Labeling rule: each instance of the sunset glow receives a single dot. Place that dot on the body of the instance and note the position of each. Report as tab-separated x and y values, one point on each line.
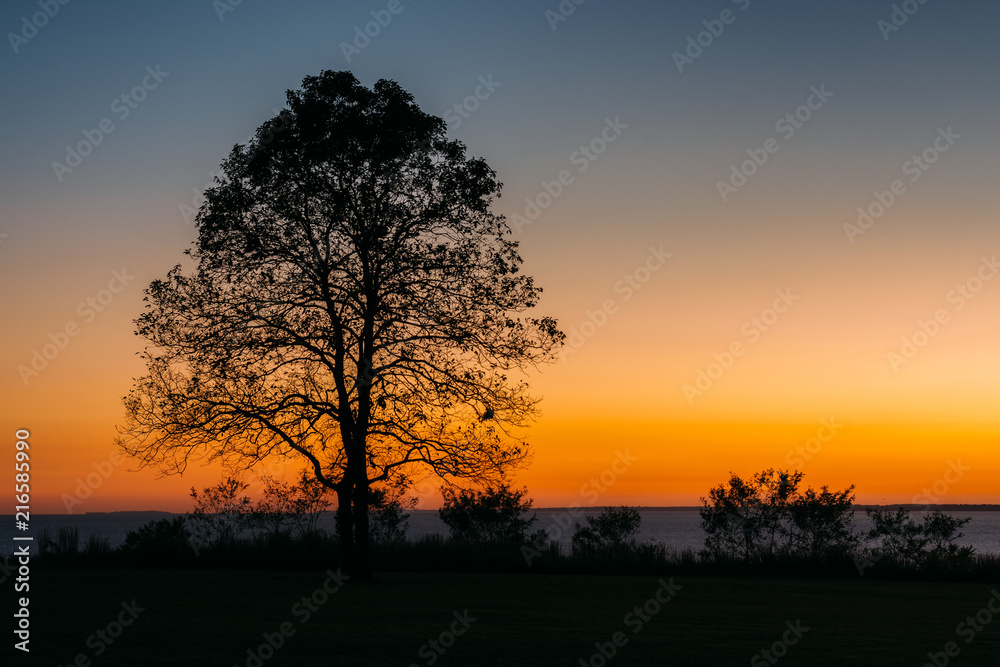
710	328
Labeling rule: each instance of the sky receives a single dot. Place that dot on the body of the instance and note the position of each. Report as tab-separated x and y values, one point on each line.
768	228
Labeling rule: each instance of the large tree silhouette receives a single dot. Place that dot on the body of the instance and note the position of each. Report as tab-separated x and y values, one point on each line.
354	304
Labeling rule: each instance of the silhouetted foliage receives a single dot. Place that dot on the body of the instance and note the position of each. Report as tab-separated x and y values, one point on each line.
225	514
355	304
388	517
222	513
491	516
64	546
289	509
491	538
941	531
901	541
613	530
65	543
165	540
822	524
766	516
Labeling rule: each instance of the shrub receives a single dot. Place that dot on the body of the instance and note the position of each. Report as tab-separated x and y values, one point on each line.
297	506
65	545
492	516
388	519
941	532
901	541
222	513
612	530
822	524
163	541
766	516
97	546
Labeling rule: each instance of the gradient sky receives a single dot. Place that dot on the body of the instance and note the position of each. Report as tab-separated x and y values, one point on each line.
898	428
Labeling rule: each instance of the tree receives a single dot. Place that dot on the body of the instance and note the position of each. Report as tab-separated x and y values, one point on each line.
941	531
612	530
225	515
901	541
823	523
767	516
355	304
222	513
745	520
297	505
387	514
491	516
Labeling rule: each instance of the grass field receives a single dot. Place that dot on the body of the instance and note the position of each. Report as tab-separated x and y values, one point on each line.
213	618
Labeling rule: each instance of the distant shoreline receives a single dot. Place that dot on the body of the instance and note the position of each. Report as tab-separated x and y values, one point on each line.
674	508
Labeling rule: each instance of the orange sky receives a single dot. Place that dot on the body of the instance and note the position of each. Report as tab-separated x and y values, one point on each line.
621	387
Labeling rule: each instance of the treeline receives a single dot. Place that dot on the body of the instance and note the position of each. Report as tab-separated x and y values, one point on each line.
766	523
770	518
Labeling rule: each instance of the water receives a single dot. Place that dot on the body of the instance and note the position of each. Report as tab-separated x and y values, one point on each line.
675	527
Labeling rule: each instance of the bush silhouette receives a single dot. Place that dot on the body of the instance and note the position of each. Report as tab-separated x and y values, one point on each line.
492	516
766	517
611	531
388	519
901	541
165	540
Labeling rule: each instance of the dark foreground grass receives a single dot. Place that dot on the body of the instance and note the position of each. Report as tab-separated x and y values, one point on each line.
194	618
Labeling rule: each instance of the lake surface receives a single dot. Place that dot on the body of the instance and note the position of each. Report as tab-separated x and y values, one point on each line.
675	527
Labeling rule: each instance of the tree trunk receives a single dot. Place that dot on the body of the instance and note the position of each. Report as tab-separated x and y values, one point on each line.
361	530
345	525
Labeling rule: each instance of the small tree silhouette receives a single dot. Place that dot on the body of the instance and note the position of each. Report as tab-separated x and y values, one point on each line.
767	516
491	516
613	530
901	541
